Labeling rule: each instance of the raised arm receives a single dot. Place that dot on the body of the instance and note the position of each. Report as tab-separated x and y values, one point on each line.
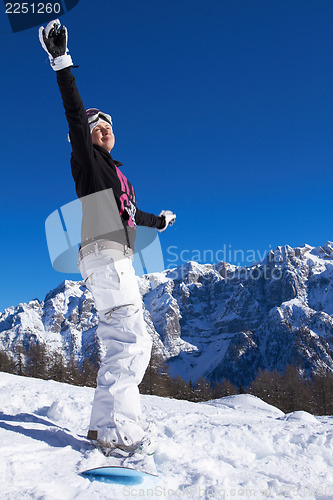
54	41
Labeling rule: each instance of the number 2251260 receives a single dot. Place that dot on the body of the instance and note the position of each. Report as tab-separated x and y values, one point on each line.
33	8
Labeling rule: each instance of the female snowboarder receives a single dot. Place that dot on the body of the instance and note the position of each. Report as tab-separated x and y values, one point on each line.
105	262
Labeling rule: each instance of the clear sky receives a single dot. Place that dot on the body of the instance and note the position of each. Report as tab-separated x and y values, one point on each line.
222	110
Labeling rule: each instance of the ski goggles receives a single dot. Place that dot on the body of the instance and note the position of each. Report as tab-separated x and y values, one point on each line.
94	115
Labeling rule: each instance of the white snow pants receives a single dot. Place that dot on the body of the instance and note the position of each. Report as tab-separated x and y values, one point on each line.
116	411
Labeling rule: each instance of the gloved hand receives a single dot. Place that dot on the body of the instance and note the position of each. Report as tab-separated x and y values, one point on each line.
169	217
54	42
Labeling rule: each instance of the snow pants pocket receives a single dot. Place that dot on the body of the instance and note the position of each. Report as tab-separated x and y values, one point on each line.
111	279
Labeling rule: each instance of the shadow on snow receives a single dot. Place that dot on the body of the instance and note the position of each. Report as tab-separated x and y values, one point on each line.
52	435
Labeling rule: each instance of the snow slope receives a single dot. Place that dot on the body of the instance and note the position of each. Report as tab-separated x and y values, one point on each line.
237	447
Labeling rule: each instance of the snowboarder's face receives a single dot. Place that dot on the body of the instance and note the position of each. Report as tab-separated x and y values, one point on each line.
102	135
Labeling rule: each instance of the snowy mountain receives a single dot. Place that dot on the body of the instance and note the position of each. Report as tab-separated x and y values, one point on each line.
235	447
207	320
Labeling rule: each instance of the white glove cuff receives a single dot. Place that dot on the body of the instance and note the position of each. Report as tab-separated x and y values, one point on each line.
61	62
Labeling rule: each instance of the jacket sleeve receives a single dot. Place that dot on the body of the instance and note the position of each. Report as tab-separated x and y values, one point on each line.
149	220
79	132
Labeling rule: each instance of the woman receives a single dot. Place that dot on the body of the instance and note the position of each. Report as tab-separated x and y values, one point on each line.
105	261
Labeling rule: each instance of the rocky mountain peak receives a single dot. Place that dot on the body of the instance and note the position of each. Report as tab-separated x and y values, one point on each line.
206	320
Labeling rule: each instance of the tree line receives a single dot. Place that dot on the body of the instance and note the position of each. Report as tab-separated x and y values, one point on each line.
39	362
289	391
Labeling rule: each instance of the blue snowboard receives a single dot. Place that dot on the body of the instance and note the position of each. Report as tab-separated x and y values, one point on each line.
117	475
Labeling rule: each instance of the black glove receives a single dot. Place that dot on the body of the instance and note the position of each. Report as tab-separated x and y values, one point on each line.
54	42
169	219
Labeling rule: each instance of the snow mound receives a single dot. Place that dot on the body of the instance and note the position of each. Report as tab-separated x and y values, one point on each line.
60	411
302	416
247	403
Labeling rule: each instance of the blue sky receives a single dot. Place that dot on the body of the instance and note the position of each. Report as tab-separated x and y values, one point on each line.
222	110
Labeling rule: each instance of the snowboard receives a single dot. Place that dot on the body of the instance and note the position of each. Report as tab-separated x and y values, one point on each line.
126	471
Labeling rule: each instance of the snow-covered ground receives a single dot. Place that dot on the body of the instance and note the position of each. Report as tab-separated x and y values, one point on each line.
237	447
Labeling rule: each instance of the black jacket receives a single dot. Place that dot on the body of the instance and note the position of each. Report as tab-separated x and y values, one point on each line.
94	169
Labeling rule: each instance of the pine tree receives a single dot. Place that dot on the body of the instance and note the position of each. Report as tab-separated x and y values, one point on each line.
226	388
19	353
322	390
88	374
56	367
203	390
7	363
268	387
156	380
296	393
73	373
179	389
37	360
